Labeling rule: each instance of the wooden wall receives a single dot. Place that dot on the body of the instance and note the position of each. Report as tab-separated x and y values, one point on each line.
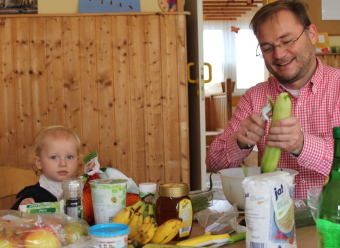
331	59
119	80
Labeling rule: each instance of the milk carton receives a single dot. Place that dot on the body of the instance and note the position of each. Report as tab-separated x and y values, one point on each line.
269	210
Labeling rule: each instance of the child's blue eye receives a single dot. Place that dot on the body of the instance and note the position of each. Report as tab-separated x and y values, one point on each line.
69	157
54	157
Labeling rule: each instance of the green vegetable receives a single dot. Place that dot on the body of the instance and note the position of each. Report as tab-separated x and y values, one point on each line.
245	169
282	109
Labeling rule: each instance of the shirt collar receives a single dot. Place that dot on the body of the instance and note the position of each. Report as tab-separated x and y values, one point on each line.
315	81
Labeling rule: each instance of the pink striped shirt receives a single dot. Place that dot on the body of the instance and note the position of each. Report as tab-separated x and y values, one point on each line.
318	109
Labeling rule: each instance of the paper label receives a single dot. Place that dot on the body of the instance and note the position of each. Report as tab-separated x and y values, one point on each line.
185	212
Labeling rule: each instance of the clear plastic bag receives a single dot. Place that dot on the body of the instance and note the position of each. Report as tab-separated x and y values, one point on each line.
214	221
42	230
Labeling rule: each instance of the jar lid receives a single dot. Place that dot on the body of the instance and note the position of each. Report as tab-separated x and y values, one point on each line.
72	187
173	189
147	187
109	229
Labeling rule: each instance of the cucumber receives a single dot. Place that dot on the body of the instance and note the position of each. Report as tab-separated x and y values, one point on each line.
282	109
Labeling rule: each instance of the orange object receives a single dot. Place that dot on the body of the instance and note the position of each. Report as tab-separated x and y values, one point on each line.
131	199
88	212
88	206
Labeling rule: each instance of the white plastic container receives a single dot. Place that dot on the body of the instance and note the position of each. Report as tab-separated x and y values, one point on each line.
108	197
109	235
147	192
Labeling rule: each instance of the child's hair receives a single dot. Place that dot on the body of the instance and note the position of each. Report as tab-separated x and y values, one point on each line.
56	132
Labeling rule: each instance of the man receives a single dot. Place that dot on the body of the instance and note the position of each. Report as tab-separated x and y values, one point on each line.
286	40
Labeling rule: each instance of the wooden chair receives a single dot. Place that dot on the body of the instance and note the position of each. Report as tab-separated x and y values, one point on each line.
6	202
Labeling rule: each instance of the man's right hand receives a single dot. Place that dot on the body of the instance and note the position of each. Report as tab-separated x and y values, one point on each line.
250	131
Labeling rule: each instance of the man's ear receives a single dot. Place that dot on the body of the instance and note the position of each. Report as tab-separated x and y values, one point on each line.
37	162
313	33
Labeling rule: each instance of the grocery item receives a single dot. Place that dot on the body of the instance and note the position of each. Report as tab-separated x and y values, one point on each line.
167	231
147	192
72	192
125	215
173	202
109	197
269	210
41	230
109	235
281	109
328	210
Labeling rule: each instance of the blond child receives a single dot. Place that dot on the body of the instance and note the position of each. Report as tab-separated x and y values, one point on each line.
56	157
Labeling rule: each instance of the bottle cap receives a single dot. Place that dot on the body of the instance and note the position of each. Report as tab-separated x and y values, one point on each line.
173	189
336	132
72	187
147	187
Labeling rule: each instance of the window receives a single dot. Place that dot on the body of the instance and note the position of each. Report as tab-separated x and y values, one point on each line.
250	69
233	55
213	52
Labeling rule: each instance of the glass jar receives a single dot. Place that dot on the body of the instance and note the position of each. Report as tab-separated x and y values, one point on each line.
174	202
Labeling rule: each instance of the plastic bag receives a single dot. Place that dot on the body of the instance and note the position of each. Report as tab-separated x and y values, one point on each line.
40	230
214	221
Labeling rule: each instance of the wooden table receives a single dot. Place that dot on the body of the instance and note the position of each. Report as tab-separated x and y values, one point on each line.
306	237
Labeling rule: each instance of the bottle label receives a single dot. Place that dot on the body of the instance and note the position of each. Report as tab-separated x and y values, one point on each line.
330	233
185	213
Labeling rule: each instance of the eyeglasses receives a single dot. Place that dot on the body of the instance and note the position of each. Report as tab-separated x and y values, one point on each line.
267	48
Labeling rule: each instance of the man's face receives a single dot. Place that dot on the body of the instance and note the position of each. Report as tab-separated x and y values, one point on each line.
293	65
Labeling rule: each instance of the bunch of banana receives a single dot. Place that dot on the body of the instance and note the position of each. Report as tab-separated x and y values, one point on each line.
125	215
132	243
150	218
136	221
166	232
145	233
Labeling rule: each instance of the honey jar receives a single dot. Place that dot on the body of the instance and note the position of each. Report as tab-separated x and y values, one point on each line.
174	202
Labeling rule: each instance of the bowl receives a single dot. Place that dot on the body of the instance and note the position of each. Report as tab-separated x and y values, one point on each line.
313	198
232	178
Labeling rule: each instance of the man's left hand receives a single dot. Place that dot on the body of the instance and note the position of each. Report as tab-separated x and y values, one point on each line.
286	134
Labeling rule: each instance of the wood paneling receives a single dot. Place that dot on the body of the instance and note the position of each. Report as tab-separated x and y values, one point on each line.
330	59
227	9
119	80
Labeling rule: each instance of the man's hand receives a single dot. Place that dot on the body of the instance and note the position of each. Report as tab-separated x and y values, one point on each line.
250	131
287	135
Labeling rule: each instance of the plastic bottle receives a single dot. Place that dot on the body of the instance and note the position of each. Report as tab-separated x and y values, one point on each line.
328	210
73	190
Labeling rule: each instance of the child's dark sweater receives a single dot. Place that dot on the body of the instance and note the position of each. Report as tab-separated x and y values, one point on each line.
36	192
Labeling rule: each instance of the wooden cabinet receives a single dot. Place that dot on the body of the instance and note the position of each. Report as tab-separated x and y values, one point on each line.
119	80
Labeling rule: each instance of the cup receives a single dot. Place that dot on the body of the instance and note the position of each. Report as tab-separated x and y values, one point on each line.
108	197
313	195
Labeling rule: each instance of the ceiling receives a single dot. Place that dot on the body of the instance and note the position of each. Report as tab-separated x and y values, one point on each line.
218	10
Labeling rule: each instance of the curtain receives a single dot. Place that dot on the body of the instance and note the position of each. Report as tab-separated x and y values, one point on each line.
229	37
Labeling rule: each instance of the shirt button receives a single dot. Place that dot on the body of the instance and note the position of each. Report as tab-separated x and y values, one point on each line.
303	181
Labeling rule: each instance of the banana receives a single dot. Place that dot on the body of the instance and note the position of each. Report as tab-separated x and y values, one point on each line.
132	243
125	215
136	221
166	232
150	218
145	233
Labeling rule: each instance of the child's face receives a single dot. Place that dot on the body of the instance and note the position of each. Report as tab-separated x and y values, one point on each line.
58	158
